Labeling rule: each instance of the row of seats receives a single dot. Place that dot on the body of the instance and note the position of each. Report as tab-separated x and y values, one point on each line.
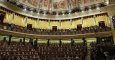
63	52
20	51
17	51
92	29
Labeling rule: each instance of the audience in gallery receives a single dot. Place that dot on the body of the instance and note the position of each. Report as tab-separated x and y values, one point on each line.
92	29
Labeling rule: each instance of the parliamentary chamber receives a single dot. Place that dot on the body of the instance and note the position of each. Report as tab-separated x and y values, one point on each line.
56	29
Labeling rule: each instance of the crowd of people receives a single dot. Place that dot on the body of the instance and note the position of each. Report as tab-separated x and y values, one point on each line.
41	51
17	51
92	29
103	51
63	52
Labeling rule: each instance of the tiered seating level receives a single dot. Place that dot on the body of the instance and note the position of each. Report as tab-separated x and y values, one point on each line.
92	29
17	51
61	52
16	24
89	23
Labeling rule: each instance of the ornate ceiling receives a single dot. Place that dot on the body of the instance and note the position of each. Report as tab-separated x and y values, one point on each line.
50	5
58	7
